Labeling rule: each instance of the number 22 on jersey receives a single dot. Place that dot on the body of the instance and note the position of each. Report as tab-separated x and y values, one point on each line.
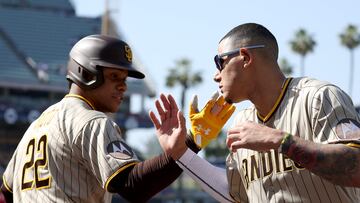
37	160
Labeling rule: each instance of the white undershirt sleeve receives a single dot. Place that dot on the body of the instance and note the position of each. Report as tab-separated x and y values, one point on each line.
211	178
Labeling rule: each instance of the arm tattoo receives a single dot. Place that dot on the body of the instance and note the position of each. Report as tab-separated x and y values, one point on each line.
335	162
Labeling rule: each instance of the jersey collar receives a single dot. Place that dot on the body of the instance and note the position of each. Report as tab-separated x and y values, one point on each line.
277	103
81	98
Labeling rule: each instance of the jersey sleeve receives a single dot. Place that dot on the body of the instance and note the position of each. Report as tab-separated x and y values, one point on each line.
211	178
334	118
8	176
103	149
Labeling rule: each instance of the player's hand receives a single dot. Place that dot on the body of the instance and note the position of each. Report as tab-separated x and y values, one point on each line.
253	136
207	124
170	129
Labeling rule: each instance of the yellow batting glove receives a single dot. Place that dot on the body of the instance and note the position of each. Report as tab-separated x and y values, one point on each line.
207	124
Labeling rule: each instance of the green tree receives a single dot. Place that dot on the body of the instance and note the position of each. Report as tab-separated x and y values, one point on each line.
217	148
302	44
181	75
350	38
285	67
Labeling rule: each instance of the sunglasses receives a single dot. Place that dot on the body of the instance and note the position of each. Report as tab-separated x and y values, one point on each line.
219	61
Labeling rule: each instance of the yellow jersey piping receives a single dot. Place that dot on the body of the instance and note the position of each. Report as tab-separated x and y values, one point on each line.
353	145
277	103
6	185
82	98
117	172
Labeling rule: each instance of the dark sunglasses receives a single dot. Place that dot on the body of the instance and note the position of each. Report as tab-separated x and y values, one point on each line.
219	61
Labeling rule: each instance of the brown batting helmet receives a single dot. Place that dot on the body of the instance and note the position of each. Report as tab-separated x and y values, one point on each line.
90	54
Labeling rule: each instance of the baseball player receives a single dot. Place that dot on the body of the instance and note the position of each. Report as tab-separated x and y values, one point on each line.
298	143
74	152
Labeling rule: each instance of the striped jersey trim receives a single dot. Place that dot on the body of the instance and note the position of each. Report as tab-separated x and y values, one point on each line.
82	98
356	145
6	185
277	103
117	172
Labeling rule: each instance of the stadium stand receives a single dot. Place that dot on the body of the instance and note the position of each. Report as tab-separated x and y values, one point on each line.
35	39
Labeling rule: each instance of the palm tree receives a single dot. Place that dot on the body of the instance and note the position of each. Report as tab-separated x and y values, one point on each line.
285	67
350	38
302	44
180	74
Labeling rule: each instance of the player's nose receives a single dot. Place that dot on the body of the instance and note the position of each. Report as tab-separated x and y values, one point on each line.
217	76
121	86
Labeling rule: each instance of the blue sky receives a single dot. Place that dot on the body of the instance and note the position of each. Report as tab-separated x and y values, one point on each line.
161	32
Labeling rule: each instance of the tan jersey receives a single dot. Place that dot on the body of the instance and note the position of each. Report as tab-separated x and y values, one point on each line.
313	110
69	154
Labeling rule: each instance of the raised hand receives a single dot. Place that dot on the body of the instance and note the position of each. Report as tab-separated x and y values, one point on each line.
171	128
207	123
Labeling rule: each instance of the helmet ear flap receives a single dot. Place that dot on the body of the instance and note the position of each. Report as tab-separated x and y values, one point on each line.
84	77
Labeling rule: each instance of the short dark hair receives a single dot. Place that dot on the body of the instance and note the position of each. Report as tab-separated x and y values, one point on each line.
253	34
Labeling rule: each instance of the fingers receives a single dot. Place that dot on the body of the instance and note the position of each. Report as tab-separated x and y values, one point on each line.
160	110
227	111
168	108
154	120
194	105
173	106
218	105
210	105
220	101
215	95
216	109
233	135
172	102
234	130
236	145
230	141
166	104
222	109
181	119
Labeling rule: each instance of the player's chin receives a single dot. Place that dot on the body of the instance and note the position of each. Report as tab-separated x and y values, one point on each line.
114	106
233	98
116	101
113	110
228	98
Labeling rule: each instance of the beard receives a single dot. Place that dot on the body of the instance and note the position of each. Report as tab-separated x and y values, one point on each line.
228	100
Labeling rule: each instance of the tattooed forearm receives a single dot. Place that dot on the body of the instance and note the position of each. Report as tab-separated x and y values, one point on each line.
337	163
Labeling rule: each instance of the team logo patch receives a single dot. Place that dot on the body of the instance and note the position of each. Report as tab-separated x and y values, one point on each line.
120	150
346	129
128	53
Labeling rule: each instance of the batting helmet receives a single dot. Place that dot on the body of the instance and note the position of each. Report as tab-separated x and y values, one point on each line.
91	53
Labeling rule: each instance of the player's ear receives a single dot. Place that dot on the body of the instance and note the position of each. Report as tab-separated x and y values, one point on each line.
246	56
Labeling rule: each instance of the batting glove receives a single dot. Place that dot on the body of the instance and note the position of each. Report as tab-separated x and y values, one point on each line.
207	124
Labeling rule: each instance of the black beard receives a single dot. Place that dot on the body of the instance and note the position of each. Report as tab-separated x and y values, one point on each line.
228	100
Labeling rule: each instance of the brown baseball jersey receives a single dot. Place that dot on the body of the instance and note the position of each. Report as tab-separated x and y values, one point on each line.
69	154
314	110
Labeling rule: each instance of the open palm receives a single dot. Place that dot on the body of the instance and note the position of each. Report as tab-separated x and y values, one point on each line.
170	129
